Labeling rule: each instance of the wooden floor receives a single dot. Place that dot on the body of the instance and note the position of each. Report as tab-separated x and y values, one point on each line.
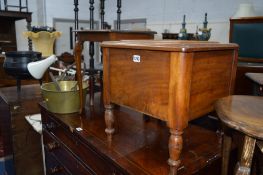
141	146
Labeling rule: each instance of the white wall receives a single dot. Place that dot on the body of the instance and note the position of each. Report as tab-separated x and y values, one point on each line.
34	7
160	14
168	14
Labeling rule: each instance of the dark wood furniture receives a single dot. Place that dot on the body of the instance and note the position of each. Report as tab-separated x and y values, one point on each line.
20	141
99	36
8	41
7	30
247	33
191	36
77	144
173	81
257	79
244	114
21	5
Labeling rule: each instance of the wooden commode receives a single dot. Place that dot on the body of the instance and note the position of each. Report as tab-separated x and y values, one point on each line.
174	81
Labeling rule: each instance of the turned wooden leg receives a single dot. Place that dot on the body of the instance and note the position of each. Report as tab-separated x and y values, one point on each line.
243	167
109	120
91	90
91	79
175	149
227	142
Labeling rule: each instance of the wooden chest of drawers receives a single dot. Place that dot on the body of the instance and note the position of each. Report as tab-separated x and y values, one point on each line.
21	141
67	153
77	144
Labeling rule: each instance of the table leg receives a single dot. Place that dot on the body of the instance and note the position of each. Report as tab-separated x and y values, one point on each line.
243	167
91	88
175	149
227	142
109	120
91	76
77	57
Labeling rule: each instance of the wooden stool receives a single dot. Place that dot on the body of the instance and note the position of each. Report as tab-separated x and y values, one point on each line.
244	114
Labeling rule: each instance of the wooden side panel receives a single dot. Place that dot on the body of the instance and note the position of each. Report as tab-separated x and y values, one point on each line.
128	36
211	79
143	85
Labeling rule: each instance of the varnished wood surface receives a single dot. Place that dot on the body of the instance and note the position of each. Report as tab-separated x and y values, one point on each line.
104	35
20	138
140	147
243	113
173	81
171	45
14	15
243	167
113	35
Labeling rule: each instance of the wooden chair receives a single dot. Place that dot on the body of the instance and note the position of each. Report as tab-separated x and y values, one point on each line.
244	114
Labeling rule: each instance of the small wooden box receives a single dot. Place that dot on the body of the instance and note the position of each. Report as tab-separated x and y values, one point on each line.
174	81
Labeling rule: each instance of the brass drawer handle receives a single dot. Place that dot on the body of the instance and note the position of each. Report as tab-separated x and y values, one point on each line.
55	169
16	107
53	145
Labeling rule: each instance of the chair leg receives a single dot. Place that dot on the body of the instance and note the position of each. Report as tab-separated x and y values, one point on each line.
243	167
227	142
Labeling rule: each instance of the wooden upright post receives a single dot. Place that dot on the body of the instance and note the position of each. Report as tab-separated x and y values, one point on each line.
118	14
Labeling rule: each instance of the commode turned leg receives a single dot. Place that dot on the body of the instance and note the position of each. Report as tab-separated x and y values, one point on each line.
175	149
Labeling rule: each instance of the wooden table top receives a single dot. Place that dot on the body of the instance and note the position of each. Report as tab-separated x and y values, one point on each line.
115	31
113	35
28	92
140	147
169	45
243	113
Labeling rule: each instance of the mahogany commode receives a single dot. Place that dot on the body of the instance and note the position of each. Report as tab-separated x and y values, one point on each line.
174	81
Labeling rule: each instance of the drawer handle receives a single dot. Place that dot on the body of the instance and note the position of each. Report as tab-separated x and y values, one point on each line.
53	145
50	126
55	169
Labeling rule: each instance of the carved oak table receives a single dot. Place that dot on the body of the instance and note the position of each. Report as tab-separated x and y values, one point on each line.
174	81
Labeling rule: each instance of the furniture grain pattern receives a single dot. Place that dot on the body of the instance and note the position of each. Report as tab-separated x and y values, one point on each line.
174	81
138	146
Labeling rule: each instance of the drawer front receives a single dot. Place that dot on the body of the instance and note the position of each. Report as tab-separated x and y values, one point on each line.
53	167
99	164
68	142
64	156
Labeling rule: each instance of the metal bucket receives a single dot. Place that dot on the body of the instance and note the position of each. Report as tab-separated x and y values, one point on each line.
64	101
